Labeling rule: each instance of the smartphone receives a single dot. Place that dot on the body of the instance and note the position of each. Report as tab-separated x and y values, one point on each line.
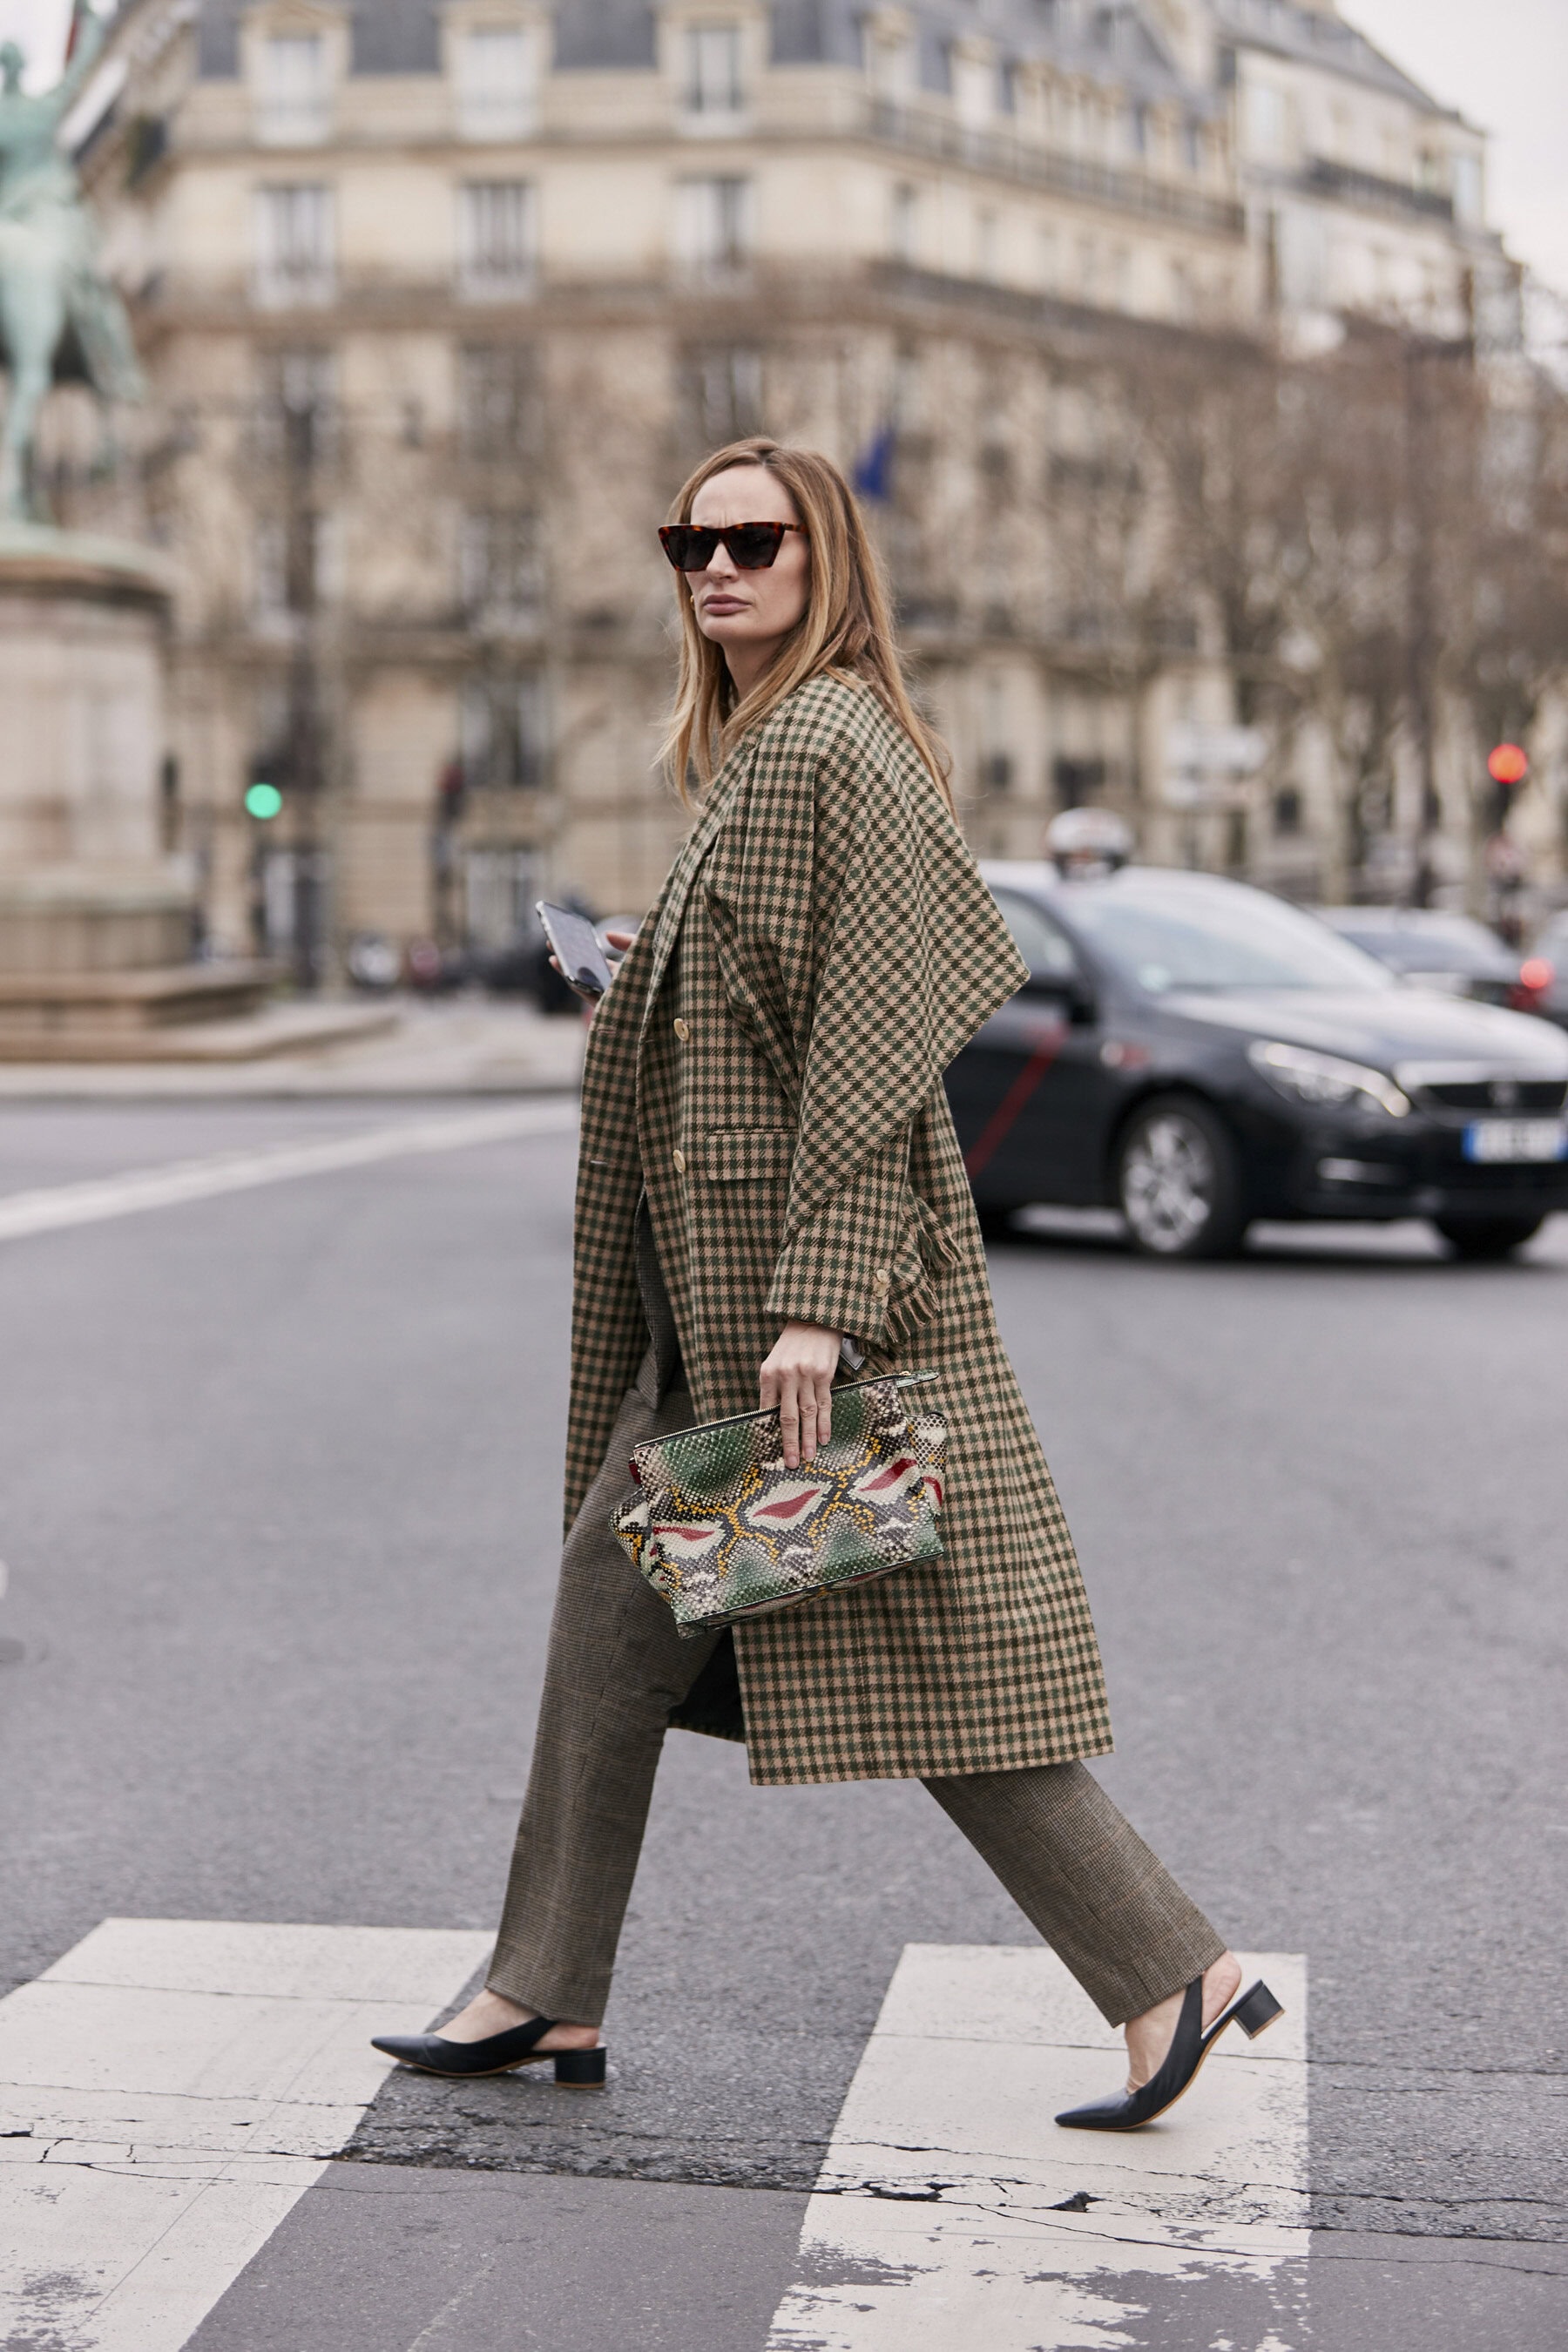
574	944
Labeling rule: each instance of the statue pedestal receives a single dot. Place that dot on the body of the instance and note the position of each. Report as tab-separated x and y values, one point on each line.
96	920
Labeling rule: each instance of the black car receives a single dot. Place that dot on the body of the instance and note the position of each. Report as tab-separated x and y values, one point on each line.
1546	970
1198	1053
1453	954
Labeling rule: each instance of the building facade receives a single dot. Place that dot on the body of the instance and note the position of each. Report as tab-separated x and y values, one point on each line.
440	303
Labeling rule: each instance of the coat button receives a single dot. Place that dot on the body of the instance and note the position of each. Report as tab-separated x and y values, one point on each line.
881	1282
682	1030
680	1159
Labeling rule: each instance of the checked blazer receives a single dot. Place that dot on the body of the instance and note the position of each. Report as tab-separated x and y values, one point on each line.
767	1066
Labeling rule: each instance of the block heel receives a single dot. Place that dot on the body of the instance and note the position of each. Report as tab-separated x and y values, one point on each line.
580	2070
1257	2011
1190	2045
498	2054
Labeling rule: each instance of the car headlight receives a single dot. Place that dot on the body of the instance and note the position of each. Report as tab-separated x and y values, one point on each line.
1323	1078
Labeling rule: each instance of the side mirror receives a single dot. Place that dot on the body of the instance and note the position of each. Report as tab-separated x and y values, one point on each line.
1069	989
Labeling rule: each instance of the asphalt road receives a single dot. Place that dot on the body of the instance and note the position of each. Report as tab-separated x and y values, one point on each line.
280	1474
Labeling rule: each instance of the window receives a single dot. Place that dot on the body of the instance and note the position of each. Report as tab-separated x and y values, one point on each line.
1051	260
504	742
499	412
497	87
1042	948
987	243
891	63
291	568
714	227
722	394
295	406
973	91
1287	810
1466	183
495	239
500	886
294	95
713	69
295	246
904	224
1265	120
499	572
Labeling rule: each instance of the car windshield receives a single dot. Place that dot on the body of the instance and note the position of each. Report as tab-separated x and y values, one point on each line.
1440	943
1209	934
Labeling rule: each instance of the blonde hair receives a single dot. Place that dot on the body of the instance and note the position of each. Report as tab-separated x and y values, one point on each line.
847	628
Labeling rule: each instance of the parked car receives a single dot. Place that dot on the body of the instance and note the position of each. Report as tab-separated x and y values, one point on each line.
1452	954
1545	970
1198	1053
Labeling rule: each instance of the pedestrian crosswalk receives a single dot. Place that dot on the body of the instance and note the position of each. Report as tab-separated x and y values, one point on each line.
951	2211
170	2089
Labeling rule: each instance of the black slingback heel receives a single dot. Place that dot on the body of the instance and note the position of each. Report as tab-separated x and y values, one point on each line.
498	2054
1190	2045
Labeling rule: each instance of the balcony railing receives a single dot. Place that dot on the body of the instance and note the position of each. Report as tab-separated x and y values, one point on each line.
923	131
1353	187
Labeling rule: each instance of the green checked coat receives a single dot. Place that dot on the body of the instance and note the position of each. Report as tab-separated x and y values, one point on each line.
768	1064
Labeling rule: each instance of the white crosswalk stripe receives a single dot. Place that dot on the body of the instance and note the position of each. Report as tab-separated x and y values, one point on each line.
58	1206
168	2090
944	2216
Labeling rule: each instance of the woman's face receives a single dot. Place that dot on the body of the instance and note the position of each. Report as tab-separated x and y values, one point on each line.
749	612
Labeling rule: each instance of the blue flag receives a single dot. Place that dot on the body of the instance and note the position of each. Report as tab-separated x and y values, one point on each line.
873	475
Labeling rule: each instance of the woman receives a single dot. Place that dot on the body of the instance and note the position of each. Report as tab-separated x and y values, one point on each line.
769	1189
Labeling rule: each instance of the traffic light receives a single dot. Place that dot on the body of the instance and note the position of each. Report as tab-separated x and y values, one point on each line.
263	800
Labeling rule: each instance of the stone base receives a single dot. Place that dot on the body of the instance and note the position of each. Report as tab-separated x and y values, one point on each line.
76	921
271	1030
41	1012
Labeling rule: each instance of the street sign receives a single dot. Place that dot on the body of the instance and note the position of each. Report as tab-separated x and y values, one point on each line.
1206	767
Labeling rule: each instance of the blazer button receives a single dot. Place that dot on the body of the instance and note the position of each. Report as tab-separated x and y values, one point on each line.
881	1282
680	1159
682	1030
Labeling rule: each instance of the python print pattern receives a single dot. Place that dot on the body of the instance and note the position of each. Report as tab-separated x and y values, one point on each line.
724	1531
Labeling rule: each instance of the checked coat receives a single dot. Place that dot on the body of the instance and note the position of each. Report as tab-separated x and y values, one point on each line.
768	1066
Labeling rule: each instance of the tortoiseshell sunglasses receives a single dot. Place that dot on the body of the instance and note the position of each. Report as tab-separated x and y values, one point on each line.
751	546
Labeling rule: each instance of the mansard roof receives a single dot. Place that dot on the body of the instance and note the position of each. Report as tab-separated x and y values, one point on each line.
1320	37
1111	41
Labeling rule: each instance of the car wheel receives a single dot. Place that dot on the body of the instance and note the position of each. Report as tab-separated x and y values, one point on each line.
1477	1238
1178	1181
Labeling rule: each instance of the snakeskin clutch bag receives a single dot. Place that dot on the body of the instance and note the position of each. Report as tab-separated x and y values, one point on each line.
724	1532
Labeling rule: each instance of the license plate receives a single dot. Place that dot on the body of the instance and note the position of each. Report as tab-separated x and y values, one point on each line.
1493	1140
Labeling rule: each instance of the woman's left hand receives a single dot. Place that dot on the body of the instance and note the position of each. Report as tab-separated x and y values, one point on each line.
798	1377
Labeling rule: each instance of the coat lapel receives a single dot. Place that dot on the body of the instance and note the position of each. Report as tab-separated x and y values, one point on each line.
722	798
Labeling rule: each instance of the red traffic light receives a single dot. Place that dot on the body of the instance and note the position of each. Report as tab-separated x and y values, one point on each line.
1506	764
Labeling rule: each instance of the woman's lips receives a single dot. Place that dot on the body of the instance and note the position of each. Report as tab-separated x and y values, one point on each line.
724	604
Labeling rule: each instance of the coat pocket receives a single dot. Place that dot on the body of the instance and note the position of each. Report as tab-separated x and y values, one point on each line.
739	1155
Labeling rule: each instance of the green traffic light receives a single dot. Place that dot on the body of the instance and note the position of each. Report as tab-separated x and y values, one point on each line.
263	800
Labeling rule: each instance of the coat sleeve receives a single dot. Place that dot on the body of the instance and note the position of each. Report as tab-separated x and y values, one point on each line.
872	965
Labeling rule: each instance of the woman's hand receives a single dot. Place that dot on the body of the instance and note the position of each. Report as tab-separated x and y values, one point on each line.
798	1377
621	941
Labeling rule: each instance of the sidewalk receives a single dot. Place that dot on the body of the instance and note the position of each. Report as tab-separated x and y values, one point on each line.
458	1045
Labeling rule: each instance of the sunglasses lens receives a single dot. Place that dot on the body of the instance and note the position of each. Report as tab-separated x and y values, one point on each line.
754	545
689	550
